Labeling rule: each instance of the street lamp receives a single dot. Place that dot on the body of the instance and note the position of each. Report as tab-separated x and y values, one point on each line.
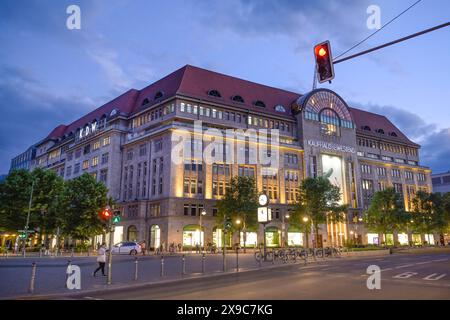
283	228
202	213
238	222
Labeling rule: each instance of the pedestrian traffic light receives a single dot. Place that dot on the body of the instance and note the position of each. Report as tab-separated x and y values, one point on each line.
324	62
22	235
106	213
117	217
228	223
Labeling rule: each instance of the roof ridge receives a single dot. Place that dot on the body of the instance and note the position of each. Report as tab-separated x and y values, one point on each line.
240	79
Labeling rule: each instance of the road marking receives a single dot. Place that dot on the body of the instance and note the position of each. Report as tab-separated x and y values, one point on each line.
387	269
405	275
439	260
423	262
92	298
430	277
404	266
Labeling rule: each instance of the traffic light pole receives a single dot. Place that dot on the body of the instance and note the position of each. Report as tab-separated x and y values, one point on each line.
392	42
111	236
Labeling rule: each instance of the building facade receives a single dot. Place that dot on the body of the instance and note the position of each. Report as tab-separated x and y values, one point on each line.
167	153
441	182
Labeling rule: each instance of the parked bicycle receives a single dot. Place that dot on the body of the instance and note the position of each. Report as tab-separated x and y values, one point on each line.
259	255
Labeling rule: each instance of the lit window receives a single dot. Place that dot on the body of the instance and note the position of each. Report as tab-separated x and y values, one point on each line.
85	164
94	161
106	141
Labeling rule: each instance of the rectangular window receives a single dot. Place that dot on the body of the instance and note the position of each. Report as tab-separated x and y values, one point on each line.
130	155
395	173
76	168
85	164
104	175
366	169
106	141
95	161
96	145
69	171
186	210
381	171
158	145
105	158
87	149
77	153
142	150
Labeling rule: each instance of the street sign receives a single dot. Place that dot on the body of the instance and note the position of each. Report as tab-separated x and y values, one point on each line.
264	214
24	231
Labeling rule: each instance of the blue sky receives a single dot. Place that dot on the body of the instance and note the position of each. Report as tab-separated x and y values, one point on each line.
51	75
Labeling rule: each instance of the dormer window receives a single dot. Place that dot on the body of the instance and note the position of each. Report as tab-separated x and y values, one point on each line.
380	131
260	104
214	93
113	113
145	102
393	134
159	95
238	99
366	128
280	108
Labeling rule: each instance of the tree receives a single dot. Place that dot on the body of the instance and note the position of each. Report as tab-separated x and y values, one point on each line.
82	201
430	213
319	201
240	202
15	193
386	213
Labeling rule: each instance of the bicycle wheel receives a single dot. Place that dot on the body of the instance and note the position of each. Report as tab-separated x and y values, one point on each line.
319	253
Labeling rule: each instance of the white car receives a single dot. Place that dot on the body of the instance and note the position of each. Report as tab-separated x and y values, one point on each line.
127	247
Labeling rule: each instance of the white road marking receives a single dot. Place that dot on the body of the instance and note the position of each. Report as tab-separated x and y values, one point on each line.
92	298
433	277
439	260
404	275
404	266
423	262
387	269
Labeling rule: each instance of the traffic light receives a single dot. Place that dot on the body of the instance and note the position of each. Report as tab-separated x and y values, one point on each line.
106	213
117	217
228	223
22	235
324	62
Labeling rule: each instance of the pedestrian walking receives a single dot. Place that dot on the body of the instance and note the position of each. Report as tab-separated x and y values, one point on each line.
101	259
143	247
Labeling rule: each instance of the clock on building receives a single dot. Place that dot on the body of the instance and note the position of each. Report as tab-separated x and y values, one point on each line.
263	200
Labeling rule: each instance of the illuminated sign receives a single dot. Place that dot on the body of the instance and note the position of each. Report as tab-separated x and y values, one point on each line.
264	214
331	146
88	130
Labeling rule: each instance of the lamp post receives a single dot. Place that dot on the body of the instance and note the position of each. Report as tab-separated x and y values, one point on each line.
28	218
203	213
283	228
238	222
305	220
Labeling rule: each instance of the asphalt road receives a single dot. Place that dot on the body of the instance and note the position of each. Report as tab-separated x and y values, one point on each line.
403	276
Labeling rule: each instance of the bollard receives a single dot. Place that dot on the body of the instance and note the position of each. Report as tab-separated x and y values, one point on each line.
183	265
237	259
203	263
162	266
40	253
71	253
135	268
33	277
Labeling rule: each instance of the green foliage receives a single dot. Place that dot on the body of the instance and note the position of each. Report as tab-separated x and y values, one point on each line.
319	202
430	213
83	199
386	213
240	202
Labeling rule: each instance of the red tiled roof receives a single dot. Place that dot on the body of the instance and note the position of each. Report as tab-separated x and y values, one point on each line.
196	82
376	121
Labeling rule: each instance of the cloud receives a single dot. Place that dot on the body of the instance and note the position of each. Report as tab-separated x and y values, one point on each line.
30	111
435	142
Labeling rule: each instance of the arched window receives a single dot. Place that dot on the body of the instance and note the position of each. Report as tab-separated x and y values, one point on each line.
260	104
132	233
393	134
380	131
159	95
330	122
145	102
238	99
366	128
214	93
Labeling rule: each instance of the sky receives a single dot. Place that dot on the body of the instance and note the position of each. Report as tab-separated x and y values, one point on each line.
51	75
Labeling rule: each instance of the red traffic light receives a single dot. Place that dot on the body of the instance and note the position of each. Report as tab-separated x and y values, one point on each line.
106	214
324	62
